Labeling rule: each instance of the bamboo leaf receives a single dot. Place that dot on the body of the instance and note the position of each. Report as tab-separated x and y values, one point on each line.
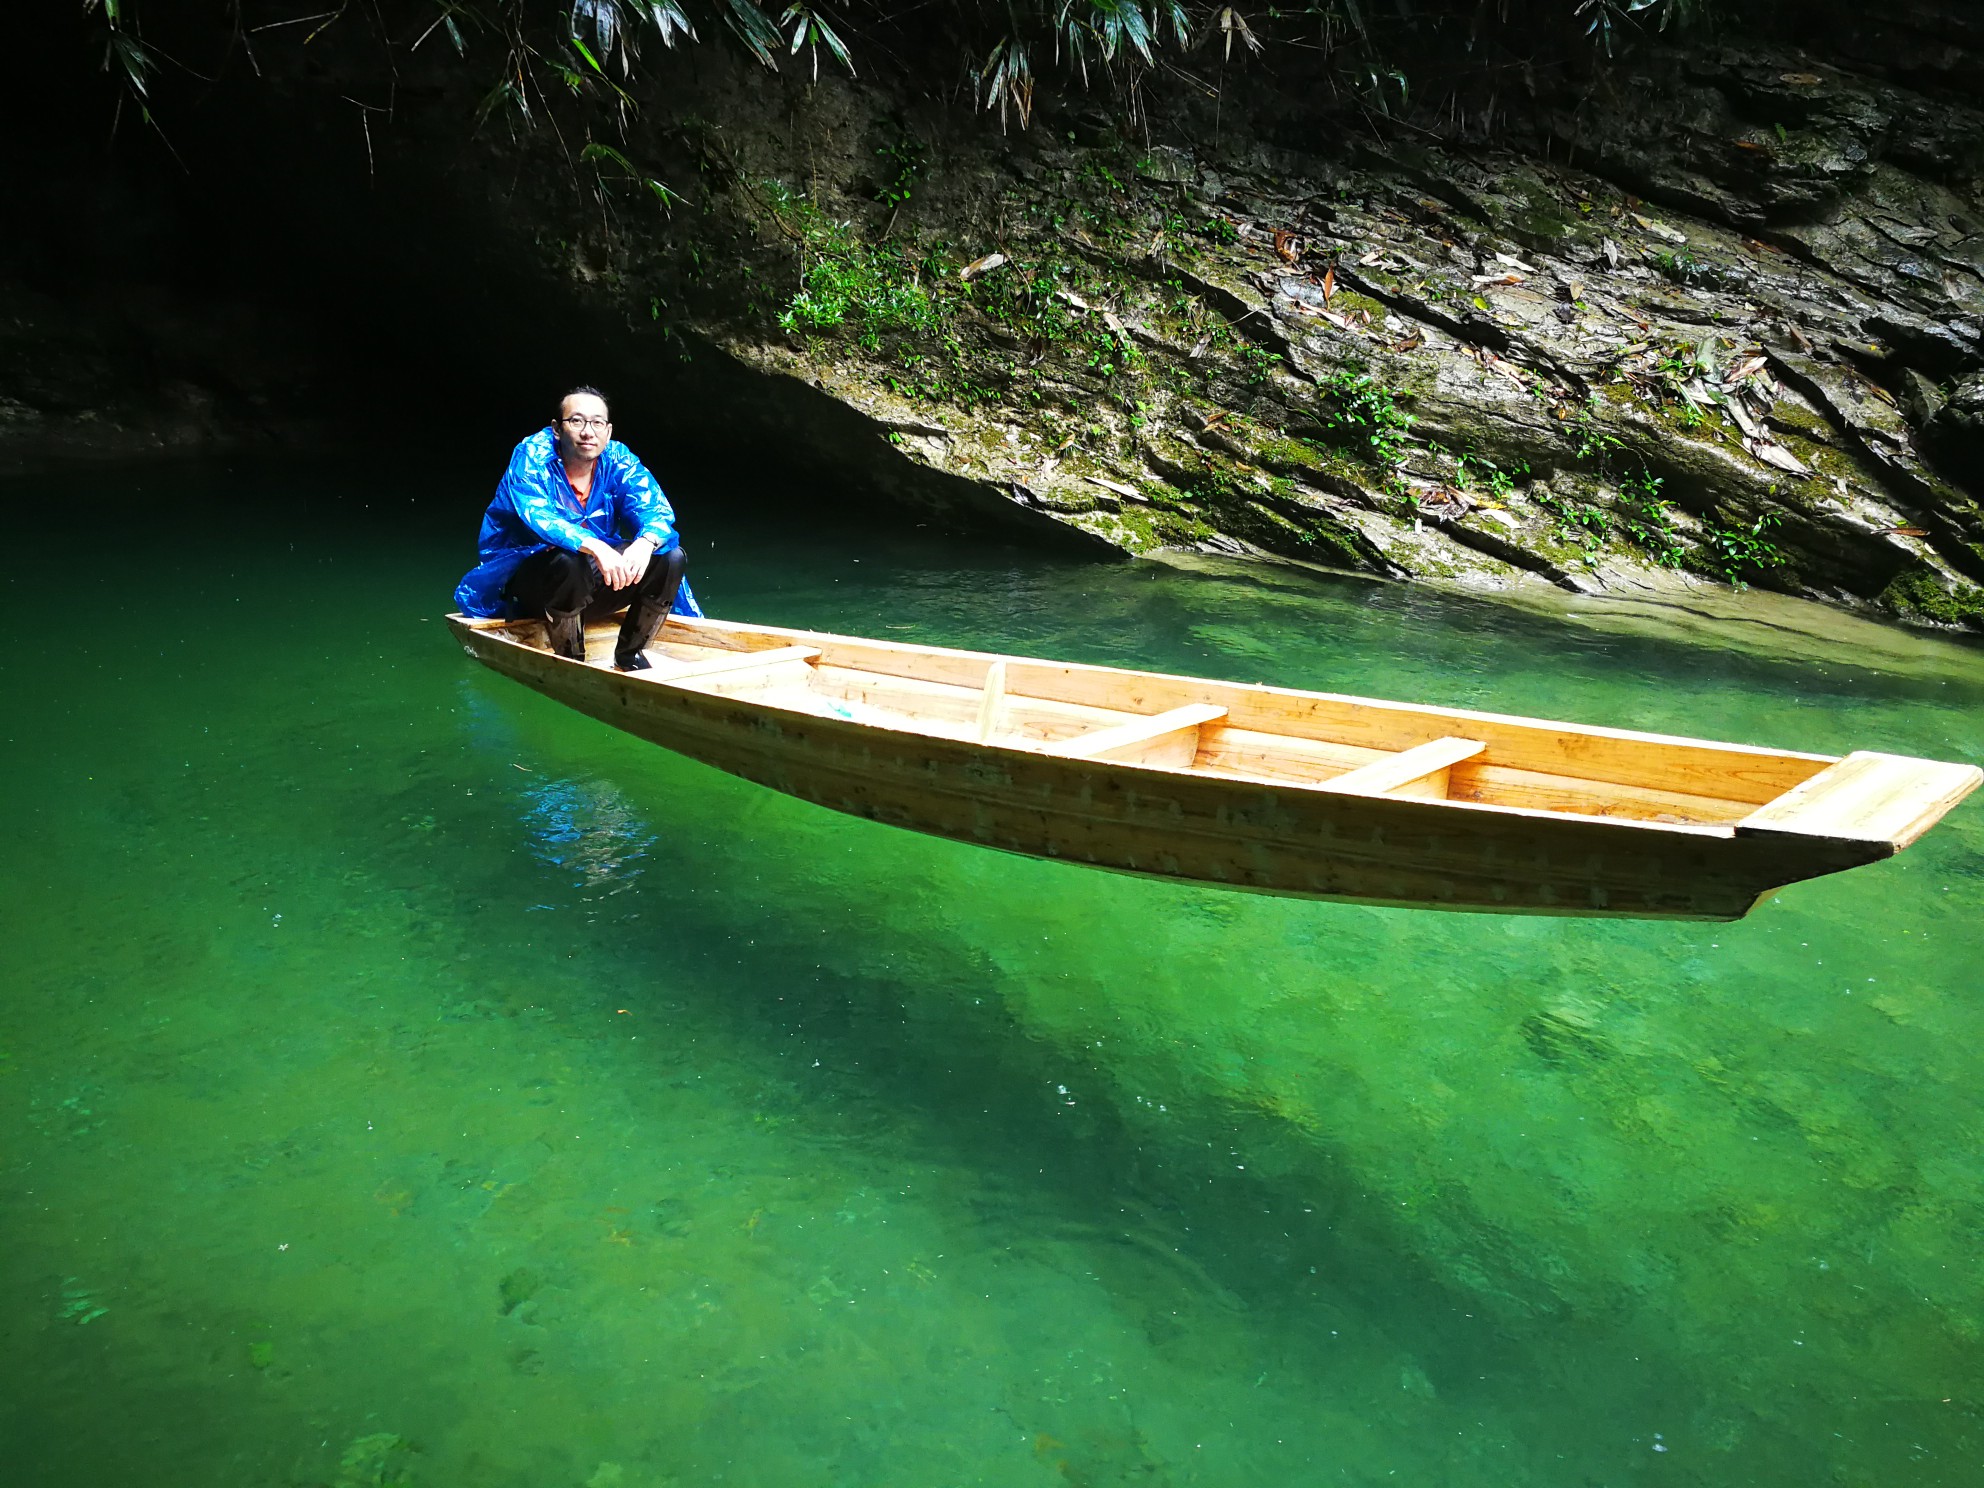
834	43
810	28
595	150
504	92
131	58
668	17
755	29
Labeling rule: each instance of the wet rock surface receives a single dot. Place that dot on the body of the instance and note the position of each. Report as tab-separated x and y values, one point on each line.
147	371
1711	316
1731	333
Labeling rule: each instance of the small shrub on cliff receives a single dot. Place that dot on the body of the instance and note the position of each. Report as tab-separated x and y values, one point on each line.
872	289
1576	522
903	160
1361	412
1732	551
1645	518
1258	364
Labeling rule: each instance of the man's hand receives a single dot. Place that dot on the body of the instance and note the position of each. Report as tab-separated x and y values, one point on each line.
636	558
620	570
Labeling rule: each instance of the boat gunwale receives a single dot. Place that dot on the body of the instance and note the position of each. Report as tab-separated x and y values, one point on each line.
1435	710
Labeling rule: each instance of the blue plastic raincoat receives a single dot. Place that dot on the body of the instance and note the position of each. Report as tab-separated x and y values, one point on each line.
535	509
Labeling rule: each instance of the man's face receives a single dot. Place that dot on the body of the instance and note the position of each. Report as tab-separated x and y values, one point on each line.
582	426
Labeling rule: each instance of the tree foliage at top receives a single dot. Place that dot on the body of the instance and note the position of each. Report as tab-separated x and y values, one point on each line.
996	53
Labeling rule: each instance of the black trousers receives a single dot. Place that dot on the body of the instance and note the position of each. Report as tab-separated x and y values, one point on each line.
559	582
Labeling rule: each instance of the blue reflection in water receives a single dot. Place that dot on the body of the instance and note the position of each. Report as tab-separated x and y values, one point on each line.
588	830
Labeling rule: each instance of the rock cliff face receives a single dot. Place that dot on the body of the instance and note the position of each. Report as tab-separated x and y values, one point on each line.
1722	317
1713	315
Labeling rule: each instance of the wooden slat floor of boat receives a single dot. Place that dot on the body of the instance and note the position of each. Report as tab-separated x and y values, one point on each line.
1613	758
877	694
730	664
1471	780
1037	719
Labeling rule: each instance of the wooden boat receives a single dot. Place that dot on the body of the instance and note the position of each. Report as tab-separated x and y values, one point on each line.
1248	787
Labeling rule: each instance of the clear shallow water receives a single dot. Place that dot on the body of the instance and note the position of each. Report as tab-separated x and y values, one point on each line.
403	1079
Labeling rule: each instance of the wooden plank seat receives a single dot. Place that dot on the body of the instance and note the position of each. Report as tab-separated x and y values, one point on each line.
738	665
1868	797
1418	771
1169	739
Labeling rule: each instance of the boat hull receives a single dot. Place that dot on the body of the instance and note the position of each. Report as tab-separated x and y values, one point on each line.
1261	837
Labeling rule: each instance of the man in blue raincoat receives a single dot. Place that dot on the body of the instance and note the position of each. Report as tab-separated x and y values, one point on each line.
578	529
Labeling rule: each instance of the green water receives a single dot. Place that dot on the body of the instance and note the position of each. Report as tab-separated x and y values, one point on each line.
405	1080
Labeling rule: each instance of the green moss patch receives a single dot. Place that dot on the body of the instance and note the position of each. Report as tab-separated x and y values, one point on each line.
1922	591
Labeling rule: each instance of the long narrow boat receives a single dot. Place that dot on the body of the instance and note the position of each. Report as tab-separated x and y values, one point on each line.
1249	787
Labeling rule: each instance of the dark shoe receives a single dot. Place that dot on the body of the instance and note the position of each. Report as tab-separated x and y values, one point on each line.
645	617
567	634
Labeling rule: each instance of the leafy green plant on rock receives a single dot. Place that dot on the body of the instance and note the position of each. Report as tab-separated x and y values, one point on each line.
902	163
1257	364
1645	517
1732	551
873	289
1594	440
1469	466
1682	267
1048	301
1363	415
1577	522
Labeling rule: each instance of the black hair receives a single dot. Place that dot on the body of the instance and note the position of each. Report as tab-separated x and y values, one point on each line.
587	391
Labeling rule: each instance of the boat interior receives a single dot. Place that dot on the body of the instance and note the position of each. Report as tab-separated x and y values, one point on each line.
1277	736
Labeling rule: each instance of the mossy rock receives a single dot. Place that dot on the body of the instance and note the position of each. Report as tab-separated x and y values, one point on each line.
1130	529
1922	592
1326	543
1296	454
1806	421
1542	230
1348	301
1067	500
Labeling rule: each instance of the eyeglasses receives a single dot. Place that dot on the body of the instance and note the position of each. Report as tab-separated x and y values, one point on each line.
578	423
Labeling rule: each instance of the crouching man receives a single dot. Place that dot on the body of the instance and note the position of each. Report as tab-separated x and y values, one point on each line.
577	530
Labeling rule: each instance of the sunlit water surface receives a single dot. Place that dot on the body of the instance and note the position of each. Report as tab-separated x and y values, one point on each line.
406	1080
